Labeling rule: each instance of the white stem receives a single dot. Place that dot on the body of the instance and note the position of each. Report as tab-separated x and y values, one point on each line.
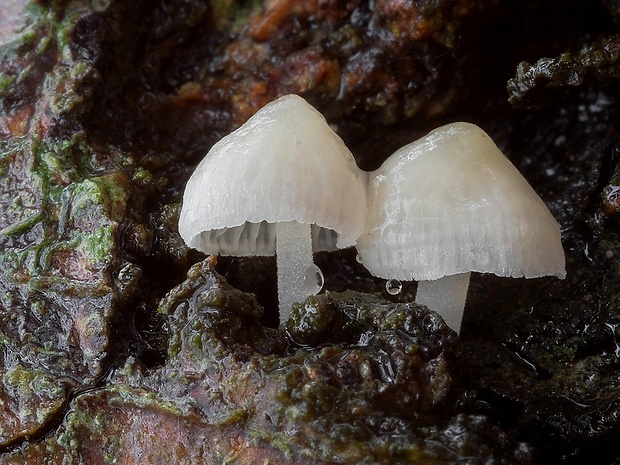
446	296
293	259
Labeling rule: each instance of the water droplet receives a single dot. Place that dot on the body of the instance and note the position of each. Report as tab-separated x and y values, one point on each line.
393	286
358	258
314	280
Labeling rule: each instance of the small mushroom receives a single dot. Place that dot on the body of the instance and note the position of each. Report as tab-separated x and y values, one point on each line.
283	183
449	204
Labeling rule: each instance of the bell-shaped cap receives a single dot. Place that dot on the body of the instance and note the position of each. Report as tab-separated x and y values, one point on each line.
452	203
284	164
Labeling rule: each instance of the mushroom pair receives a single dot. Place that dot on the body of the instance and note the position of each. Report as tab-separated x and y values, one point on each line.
283	183
449	204
439	208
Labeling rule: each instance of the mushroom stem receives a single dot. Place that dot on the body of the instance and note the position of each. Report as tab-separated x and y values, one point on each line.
446	296
294	263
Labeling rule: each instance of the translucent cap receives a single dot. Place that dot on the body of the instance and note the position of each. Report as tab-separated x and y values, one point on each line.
451	203
284	164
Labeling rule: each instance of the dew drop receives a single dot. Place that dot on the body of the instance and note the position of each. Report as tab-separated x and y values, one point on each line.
393	286
314	280
358	258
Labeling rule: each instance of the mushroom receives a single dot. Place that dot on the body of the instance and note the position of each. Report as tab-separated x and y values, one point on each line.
283	183
449	204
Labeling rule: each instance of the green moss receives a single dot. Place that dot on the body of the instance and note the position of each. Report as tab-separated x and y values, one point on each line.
233	13
36	393
356	384
5	82
142	177
542	81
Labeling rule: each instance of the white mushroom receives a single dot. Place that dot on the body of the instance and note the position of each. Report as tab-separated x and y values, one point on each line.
262	189
449	204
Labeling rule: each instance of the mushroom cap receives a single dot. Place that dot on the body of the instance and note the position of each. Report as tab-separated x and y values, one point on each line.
451	203
284	164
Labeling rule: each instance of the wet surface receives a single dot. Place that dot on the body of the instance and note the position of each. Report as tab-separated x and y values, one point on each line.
106	108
